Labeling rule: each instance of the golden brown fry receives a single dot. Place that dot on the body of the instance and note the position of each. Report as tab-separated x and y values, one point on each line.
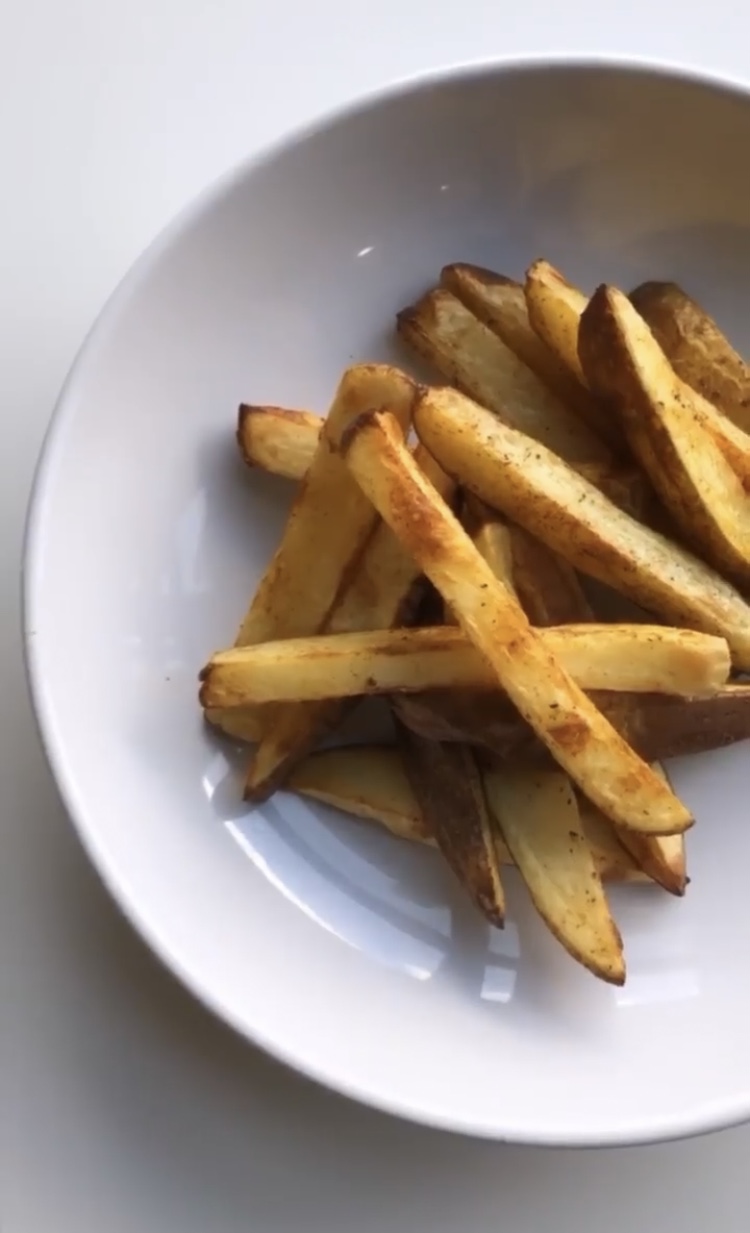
500	304
696	348
443	331
370	782
626	366
555	310
555	306
552	590
658	726
633	658
662	857
535	488
447	784
278	439
538	815
319	547
577	735
384	592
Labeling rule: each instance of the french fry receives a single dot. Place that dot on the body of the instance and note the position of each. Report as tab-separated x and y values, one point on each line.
696	348
447	784
442	331
658	726
633	658
555	311
370	781
539	818
278	439
577	735
626	366
320	546
662	857
384	592
555	306
330	521
533	487
500	304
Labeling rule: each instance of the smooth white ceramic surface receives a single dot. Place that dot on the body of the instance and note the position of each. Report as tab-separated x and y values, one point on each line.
342	951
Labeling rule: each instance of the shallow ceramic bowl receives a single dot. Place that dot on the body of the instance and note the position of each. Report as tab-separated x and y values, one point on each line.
343	951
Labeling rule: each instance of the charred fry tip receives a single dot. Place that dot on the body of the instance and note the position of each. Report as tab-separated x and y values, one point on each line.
407	318
374	415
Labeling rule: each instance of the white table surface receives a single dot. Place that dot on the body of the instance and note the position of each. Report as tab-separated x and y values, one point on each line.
125	1107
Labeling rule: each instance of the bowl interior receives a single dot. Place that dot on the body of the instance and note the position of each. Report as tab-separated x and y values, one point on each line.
346	952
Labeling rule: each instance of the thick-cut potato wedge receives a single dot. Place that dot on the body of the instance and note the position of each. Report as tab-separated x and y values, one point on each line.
696	348
633	658
555	306
535	488
555	311
278	439
662	857
539	819
330	520
577	735
370	781
443	331
385	591
628	369
447	784
500	304
658	726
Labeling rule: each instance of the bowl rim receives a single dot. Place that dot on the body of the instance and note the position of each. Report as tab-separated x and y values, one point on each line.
727	1113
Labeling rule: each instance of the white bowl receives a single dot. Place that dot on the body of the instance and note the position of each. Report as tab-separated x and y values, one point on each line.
344	952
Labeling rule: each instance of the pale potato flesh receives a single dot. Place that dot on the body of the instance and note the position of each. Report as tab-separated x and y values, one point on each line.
500	304
632	658
278	439
465	352
626	366
540	822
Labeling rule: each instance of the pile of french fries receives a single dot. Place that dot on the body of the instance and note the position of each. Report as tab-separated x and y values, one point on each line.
569	439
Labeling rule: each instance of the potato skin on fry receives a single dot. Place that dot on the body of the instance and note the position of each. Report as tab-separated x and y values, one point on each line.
696	348
500	304
370	781
441	330
447	783
577	735
535	488
627	368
